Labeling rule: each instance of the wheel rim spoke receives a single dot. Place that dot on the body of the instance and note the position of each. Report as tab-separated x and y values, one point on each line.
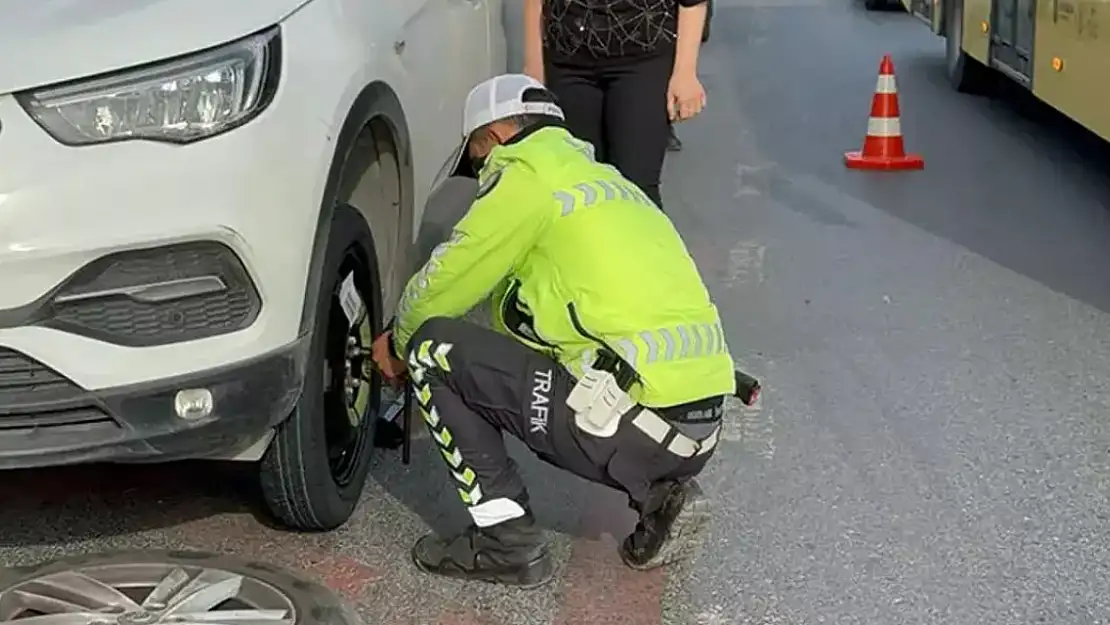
236	617
28	600
167	587
80	589
206	591
14	601
65	618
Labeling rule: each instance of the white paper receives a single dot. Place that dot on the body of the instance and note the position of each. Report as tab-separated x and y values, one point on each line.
350	300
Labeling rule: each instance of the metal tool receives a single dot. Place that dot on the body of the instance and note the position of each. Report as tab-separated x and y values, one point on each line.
401	407
406	424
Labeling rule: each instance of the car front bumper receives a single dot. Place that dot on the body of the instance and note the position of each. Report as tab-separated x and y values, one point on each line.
46	420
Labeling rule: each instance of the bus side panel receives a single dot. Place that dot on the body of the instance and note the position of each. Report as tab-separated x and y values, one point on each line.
977	43
1071	61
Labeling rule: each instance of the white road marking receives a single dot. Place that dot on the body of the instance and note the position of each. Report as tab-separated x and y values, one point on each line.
752	427
746	179
715	615
745	264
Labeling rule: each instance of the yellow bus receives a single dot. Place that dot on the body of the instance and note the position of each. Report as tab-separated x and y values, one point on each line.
1058	49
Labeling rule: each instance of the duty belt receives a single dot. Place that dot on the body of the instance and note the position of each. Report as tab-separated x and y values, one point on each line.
676	442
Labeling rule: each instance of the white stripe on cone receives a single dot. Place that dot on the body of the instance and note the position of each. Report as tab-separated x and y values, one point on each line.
886	84
884	127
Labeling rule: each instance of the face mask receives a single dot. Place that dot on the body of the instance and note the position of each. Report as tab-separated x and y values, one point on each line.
477	163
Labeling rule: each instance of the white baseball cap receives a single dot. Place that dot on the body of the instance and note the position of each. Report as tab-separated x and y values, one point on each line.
498	98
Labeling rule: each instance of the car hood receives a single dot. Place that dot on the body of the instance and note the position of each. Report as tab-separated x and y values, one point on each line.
49	41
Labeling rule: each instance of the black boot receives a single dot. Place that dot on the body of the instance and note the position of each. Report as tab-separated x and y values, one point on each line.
674	144
513	552
671	525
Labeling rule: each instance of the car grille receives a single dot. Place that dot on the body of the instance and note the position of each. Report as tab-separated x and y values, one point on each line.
33	396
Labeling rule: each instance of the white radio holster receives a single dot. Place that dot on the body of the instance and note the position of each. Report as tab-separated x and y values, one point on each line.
598	403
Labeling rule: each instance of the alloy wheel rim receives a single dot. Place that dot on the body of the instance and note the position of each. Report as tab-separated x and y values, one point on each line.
145	594
349	387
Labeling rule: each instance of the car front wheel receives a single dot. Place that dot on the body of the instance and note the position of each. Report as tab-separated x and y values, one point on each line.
314	471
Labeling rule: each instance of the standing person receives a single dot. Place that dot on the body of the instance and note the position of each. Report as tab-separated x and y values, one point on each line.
623	71
586	364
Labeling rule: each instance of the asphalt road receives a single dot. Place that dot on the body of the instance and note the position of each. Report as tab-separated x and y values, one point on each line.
931	447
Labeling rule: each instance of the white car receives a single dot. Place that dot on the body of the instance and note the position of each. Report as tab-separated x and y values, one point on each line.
207	209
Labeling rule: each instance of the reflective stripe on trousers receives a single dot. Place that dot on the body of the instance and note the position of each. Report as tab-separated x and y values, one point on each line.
658	430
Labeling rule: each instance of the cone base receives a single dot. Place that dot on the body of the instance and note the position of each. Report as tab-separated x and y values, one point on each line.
906	162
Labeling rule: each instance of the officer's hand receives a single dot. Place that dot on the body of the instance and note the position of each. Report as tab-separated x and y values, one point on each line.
391	368
685	96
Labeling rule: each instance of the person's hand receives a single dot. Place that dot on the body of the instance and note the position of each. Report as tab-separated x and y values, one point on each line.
685	96
391	368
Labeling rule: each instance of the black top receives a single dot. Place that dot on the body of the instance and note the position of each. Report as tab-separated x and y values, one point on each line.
588	30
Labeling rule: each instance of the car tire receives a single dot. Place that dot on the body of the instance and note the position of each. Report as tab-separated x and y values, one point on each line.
299	485
964	73
310	602
874	5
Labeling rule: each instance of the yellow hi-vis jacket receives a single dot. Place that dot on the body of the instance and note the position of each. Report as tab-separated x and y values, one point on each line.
580	253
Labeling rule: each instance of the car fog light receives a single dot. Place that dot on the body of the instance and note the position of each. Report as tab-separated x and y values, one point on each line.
193	403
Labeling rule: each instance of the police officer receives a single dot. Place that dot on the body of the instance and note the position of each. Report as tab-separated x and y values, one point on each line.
607	356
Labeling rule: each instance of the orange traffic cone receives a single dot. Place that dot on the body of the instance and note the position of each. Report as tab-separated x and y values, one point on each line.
883	148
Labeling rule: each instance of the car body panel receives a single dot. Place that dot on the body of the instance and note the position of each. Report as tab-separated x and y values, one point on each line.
60	40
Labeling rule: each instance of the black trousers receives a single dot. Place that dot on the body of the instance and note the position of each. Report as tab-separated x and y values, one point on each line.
620	106
473	384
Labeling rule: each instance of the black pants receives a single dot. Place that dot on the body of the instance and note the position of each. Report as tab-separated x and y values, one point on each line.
473	384
620	106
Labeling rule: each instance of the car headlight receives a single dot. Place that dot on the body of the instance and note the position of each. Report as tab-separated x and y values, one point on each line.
177	101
